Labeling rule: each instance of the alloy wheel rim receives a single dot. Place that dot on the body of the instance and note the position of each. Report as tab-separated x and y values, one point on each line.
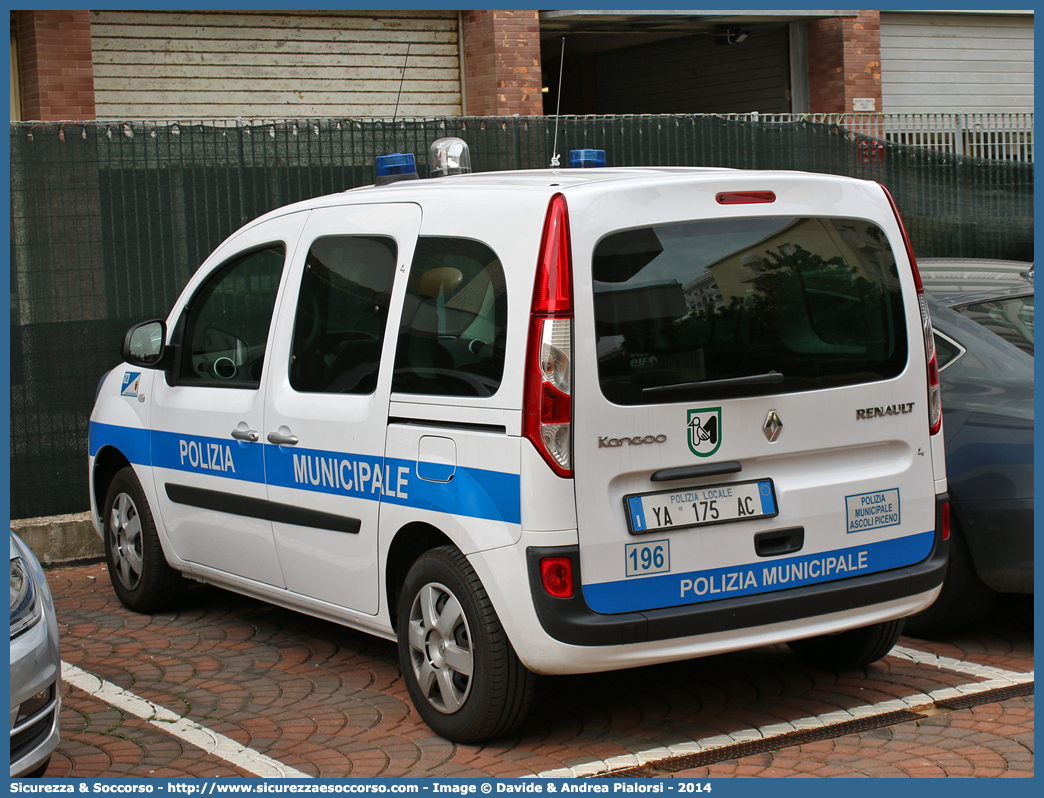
441	648
126	541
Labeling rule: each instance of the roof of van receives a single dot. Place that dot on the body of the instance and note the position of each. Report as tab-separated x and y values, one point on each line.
533	180
561	177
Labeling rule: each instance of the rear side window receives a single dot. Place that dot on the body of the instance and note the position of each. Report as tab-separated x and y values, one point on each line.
342	310
454	321
745	307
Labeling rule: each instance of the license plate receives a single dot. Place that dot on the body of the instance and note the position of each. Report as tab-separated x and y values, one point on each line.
706	505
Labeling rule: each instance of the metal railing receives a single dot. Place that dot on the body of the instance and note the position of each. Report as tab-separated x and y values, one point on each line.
996	136
109	220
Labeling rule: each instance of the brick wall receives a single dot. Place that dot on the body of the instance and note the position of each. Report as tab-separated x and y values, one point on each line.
502	63
55	65
844	62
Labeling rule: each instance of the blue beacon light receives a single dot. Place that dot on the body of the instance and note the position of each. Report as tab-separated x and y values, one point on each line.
586	159
394	167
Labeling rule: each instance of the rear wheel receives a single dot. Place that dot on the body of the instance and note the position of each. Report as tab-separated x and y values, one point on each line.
139	572
852	649
964	599
463	676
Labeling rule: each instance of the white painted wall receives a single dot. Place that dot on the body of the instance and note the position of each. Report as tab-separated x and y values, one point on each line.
274	64
953	62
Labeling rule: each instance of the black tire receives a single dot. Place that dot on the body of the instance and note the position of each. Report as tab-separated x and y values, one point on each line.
852	649
138	570
480	690
964	599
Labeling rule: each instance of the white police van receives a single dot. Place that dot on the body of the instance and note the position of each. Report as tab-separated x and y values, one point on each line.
542	422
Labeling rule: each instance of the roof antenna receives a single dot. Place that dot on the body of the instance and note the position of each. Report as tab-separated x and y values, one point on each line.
558	107
395	113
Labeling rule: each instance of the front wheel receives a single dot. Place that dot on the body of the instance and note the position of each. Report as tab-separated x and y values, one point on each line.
138	570
852	649
462	673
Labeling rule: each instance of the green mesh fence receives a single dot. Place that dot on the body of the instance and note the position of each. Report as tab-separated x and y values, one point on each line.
109	220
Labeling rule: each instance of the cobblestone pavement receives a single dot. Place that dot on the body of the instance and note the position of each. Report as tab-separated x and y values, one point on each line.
327	701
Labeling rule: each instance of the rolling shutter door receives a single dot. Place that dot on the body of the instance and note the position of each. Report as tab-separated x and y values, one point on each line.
272	64
956	63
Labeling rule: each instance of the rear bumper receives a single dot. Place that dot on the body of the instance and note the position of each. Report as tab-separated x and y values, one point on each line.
573	622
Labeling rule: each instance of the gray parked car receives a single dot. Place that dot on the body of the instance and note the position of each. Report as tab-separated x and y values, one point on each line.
982	312
36	666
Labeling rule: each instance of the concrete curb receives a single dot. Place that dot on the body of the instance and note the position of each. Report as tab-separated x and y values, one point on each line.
60	538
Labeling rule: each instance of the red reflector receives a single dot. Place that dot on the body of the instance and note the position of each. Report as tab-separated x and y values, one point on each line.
745	197
555	406
946	521
556	574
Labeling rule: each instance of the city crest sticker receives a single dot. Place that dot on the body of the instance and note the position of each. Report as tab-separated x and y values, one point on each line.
130	383
705	431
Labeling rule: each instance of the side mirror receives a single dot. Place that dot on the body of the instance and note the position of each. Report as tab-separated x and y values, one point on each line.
143	345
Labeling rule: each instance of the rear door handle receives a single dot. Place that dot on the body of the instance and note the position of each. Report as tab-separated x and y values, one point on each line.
283	438
695	471
243	434
779	541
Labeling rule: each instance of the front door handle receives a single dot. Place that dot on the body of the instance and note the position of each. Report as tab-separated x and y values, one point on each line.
241	433
283	438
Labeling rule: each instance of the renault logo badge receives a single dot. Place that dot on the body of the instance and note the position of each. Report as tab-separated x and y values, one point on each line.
773	426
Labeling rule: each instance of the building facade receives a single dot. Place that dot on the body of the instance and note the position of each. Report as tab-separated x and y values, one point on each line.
79	65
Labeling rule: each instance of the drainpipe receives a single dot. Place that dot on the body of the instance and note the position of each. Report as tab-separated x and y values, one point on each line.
460	56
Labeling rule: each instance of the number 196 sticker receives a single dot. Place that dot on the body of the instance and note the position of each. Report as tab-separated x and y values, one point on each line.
650	557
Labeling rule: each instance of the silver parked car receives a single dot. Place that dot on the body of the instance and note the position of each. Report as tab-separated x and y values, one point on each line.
36	665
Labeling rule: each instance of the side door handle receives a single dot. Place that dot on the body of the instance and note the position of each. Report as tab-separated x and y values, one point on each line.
283	437
241	433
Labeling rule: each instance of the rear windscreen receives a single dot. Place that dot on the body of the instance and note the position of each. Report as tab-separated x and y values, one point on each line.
745	307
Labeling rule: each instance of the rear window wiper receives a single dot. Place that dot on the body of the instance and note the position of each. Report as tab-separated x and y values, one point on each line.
751	379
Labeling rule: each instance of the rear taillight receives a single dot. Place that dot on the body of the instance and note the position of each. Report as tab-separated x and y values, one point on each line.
556	575
548	403
934	391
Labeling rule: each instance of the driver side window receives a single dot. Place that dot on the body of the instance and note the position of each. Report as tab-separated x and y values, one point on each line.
227	323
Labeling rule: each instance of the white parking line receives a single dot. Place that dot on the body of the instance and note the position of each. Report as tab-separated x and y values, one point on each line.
192	733
996	678
959	666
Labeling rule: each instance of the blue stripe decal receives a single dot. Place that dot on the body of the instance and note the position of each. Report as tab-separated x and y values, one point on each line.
214	457
761	577
471	492
435	472
134	443
356	475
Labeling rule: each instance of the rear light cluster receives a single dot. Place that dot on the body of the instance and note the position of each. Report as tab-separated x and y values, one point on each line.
934	390
556	575
548	404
